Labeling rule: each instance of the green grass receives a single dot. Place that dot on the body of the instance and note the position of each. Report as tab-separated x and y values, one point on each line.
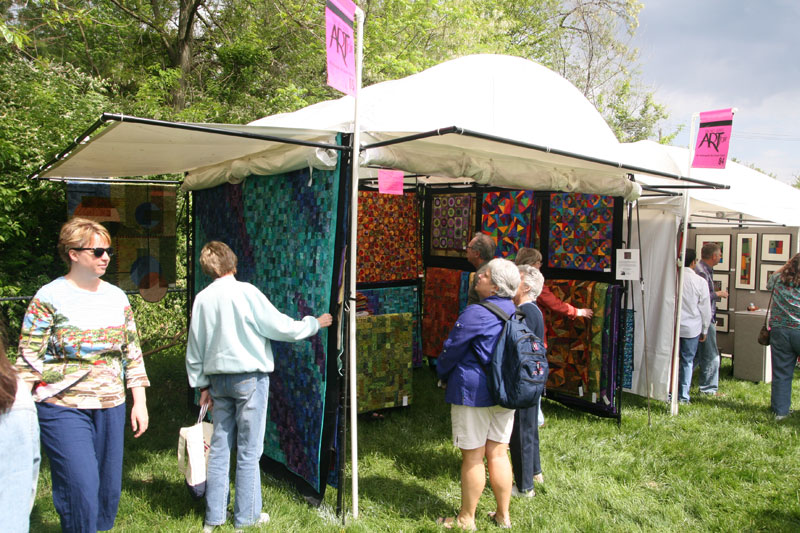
723	464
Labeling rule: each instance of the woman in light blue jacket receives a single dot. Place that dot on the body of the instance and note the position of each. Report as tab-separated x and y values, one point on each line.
229	358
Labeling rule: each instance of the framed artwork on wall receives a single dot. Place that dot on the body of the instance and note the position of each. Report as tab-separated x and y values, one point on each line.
724	242
766	271
721	282
775	247
746	261
722	322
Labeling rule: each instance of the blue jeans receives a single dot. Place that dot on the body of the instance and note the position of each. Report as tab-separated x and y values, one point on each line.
785	344
688	351
19	468
85	450
708	360
240	418
524	446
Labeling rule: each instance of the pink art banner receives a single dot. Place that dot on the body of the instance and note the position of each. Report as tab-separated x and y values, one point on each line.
339	39
390	181
713	138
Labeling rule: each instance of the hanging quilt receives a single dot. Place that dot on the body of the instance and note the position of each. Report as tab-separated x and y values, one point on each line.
389	246
391	300
452	223
141	221
569	341
581	231
384	361
441	297
507	216
287	250
627	347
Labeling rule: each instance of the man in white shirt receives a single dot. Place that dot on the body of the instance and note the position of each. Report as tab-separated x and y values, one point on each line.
695	318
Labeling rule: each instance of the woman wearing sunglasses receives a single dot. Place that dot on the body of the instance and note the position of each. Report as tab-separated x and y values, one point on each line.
78	350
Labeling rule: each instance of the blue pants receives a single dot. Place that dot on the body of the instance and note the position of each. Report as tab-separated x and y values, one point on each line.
785	344
85	451
524	446
240	418
687	353
707	359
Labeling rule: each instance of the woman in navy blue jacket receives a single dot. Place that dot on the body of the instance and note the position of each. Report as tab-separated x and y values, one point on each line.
480	428
524	443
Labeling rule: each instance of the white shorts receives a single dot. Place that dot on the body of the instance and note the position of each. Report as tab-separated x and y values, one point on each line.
473	426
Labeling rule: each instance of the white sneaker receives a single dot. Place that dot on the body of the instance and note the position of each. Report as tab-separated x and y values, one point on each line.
517	494
538	478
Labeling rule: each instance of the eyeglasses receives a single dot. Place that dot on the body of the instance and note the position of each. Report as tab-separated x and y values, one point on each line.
98	252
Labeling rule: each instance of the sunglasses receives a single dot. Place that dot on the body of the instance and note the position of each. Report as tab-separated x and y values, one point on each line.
98	252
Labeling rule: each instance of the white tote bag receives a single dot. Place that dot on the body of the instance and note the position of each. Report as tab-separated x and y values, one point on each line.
193	445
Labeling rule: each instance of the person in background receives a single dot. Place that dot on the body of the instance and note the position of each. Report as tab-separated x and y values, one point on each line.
79	349
19	440
695	318
524	444
480	251
229	358
707	352
784	323
547	300
480	428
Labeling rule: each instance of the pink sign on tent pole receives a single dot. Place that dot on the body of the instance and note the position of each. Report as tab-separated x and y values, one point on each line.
390	181
713	138
339	44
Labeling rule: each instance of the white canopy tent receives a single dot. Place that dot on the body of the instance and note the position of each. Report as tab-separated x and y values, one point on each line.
753	196
496	120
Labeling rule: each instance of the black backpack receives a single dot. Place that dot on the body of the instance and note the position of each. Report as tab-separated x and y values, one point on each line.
518	370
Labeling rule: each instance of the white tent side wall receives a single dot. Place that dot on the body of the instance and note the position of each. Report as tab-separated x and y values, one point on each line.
659	225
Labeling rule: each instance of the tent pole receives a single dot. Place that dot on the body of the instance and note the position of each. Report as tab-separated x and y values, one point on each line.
681	267
354	165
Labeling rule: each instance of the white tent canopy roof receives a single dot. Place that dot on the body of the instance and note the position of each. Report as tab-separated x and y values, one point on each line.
513	123
751	193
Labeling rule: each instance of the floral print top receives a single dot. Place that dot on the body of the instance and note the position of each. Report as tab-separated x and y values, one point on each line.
785	311
79	347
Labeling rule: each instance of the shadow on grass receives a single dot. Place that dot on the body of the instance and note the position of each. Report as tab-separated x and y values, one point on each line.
401	498
40	525
775	520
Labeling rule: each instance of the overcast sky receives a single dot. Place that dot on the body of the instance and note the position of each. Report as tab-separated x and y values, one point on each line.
700	55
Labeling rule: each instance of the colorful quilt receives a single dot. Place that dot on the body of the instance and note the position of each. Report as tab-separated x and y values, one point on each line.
463	290
141	221
440	308
569	341
283	230
507	216
585	375
581	230
389	246
391	300
627	347
596	351
384	361
452	224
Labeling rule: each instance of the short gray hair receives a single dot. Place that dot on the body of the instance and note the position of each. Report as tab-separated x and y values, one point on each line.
505	275
485	246
533	279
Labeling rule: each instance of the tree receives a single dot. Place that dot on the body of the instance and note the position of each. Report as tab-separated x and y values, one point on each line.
42	105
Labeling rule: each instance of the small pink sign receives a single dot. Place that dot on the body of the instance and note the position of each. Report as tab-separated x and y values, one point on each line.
390	181
713	138
339	44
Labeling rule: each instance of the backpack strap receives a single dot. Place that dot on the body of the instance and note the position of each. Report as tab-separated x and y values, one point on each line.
496	310
502	316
